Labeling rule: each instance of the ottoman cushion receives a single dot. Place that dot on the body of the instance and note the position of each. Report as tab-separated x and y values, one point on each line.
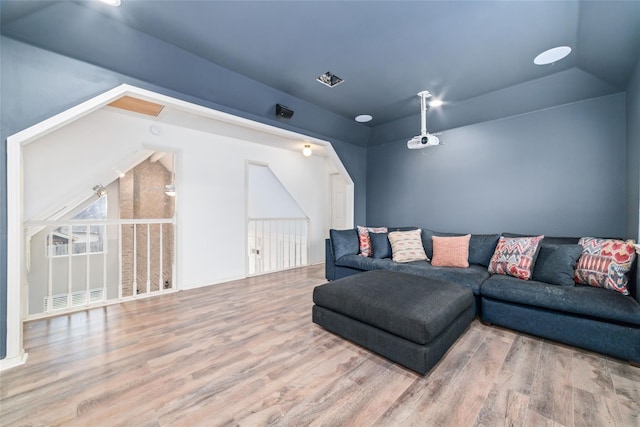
412	307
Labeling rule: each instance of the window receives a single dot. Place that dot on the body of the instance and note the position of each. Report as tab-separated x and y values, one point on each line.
82	238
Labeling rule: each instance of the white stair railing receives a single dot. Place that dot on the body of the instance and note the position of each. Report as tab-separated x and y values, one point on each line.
80	270
276	244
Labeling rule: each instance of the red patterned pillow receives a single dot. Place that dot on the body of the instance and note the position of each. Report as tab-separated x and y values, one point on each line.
515	256
604	263
365	241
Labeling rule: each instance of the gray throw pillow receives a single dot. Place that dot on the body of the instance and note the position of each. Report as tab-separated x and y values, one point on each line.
380	244
344	242
482	247
556	264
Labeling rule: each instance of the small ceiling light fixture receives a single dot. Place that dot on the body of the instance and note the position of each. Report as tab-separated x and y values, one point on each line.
100	190
114	3
364	118
329	79
306	151
436	103
552	55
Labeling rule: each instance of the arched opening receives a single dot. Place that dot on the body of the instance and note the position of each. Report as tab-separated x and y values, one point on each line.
210	145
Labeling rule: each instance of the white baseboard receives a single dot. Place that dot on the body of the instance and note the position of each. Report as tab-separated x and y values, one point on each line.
12	362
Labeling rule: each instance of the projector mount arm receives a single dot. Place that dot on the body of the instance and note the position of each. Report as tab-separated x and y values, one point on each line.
424	106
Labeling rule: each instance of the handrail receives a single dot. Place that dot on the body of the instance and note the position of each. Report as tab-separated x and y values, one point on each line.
275	244
67	222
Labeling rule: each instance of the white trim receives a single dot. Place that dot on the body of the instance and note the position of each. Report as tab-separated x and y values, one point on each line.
15	208
350	187
9	363
15	256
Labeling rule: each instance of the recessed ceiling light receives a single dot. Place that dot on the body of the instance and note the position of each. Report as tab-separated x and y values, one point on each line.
436	103
552	55
329	79
364	118
114	3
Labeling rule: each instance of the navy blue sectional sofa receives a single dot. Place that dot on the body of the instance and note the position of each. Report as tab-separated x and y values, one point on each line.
583	316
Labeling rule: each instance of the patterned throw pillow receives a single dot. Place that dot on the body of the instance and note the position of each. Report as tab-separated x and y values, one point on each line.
515	256
365	241
604	263
451	251
406	246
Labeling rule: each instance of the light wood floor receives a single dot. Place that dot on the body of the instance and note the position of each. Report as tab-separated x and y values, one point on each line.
246	353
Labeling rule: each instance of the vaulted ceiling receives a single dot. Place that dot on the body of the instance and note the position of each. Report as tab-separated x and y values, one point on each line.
477	56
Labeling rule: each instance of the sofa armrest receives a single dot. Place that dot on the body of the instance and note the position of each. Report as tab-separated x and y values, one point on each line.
329	261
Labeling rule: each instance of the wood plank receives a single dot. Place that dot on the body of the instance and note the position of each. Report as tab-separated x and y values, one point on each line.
535	419
595	410
589	372
508	400
552	390
459	405
137	105
434	384
626	383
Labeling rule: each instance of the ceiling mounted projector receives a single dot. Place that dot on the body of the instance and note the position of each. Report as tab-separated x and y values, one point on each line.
425	139
428	140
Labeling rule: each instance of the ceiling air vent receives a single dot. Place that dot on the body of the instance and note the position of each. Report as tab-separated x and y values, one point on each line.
329	79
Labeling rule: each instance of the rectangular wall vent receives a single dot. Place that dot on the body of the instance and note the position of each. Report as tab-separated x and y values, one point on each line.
79	298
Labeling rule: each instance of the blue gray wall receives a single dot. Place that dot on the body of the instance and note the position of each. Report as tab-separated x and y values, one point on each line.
633	158
558	171
37	84
633	155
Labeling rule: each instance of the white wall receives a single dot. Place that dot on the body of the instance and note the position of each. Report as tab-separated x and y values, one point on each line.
210	184
267	197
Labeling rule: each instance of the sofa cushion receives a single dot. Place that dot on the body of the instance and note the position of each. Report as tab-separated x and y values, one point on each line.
406	246
556	264
515	256
344	242
365	240
380	246
364	263
471	277
581	300
481	246
451	251
604	263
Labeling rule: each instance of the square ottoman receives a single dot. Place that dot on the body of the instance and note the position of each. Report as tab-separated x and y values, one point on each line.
409	319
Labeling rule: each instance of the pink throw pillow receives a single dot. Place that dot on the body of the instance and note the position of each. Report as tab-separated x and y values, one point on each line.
365	241
451	251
